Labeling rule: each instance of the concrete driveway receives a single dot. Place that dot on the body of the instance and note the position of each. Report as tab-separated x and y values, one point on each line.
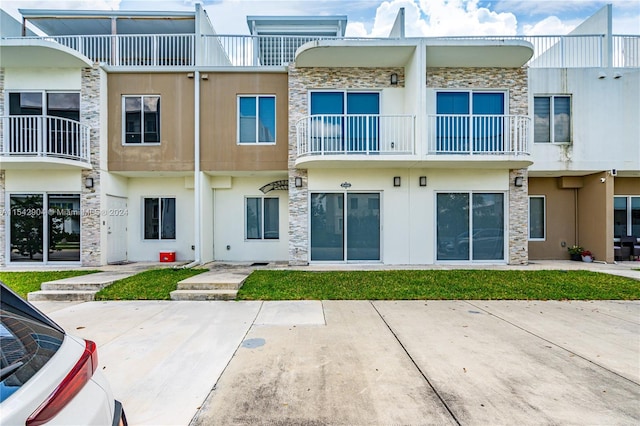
363	363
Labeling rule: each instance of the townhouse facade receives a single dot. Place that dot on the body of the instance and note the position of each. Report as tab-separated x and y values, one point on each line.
130	134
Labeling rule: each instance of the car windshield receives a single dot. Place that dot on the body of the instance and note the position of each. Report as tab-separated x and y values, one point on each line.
25	347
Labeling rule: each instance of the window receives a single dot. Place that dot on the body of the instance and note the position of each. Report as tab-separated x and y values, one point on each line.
256	119
141	119
262	218
547	130
159	218
537	218
626	216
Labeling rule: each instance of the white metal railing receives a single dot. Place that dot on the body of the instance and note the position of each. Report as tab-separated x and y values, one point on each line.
161	50
626	51
44	136
477	134
169	50
366	134
252	51
566	51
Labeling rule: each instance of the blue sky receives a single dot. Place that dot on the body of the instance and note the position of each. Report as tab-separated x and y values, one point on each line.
374	17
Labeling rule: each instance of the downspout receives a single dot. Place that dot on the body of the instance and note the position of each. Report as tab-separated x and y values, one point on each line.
196	175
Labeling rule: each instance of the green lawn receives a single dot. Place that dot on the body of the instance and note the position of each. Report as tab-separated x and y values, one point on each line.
154	284
438	285
25	282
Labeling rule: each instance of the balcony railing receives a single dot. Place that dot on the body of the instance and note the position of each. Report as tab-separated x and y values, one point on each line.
176	50
44	136
365	134
478	134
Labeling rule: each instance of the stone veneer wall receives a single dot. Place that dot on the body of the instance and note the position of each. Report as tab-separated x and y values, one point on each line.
512	79
515	81
90	198
3	208
518	219
301	80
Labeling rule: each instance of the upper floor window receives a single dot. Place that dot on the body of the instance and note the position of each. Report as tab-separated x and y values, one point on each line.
262	218
55	104
537	221
257	119
141	119
552	119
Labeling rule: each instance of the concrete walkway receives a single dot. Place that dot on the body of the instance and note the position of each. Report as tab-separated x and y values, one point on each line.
366	363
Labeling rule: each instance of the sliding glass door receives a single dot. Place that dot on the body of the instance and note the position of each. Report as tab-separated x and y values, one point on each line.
44	227
460	215
357	130
336	236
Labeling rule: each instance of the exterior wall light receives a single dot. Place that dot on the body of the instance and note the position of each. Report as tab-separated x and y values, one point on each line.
345	185
298	182
394	79
617	75
423	181
88	183
519	181
601	75
396	181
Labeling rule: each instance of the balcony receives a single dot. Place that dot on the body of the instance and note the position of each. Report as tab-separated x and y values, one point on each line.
28	139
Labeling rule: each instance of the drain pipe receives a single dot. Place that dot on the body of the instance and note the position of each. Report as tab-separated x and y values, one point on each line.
197	202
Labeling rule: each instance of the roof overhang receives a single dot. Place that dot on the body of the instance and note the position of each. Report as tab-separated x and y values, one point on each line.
36	53
472	53
354	53
100	22
321	26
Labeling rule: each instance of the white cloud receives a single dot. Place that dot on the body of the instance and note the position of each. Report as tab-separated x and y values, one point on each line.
457	17
549	26
438	18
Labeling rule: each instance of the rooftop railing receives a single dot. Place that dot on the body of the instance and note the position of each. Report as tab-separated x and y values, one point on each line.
179	50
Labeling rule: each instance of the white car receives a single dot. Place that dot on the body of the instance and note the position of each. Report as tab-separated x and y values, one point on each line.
47	376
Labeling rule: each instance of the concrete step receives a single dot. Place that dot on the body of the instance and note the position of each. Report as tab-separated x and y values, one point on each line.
213	280
204	294
62	295
81	288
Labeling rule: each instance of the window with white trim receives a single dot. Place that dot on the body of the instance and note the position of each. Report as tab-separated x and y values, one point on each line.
262	218
626	216
159	218
552	119
140	119
537	218
257	119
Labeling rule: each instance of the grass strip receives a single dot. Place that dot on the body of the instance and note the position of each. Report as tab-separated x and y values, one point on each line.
28	281
154	284
438	285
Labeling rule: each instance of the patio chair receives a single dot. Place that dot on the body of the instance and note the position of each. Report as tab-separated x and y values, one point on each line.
625	248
